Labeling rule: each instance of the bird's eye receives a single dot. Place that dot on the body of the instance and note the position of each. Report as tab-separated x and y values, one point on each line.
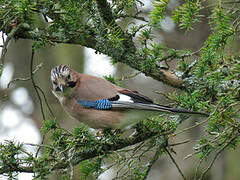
69	77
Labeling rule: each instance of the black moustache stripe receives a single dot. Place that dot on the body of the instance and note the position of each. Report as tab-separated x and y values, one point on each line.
72	84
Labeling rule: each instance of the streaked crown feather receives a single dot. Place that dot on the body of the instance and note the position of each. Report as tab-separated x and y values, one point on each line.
59	72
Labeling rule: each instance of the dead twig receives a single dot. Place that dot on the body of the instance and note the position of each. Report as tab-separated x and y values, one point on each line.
27	78
177	166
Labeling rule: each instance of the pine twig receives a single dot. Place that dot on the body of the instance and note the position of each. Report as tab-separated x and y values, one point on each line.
179	143
177	166
215	157
34	84
27	78
46	101
128	77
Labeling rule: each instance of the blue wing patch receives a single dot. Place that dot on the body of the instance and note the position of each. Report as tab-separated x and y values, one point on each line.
102	104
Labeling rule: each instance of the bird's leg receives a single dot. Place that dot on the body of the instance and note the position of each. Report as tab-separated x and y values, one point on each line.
100	133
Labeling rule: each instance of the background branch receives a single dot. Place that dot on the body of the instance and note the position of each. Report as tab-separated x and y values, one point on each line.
175	163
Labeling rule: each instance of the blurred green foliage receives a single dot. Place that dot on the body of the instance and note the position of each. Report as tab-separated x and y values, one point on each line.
210	79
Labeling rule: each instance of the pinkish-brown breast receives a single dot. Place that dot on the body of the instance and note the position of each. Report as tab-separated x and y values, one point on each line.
98	119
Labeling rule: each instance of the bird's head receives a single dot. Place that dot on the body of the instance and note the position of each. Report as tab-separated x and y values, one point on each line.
63	80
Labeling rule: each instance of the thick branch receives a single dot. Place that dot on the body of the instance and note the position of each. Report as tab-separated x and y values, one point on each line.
78	38
125	52
167	77
129	58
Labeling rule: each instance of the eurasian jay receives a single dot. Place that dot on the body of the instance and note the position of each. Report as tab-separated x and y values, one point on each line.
101	104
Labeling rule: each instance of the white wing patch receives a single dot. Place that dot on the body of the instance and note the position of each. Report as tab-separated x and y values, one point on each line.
126	98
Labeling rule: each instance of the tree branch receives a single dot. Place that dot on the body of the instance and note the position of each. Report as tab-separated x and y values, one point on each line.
129	57
33	82
175	163
105	148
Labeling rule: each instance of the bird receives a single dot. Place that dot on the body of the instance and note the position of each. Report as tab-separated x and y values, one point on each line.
101	104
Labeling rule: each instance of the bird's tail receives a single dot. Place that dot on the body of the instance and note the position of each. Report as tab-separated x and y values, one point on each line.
154	107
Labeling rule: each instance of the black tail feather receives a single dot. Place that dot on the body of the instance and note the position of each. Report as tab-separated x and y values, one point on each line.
153	107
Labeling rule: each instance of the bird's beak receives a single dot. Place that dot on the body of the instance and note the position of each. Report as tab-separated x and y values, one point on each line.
62	87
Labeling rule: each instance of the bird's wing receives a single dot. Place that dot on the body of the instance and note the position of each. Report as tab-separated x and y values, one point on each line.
133	100
152	107
135	96
100	94
93	88
90	89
